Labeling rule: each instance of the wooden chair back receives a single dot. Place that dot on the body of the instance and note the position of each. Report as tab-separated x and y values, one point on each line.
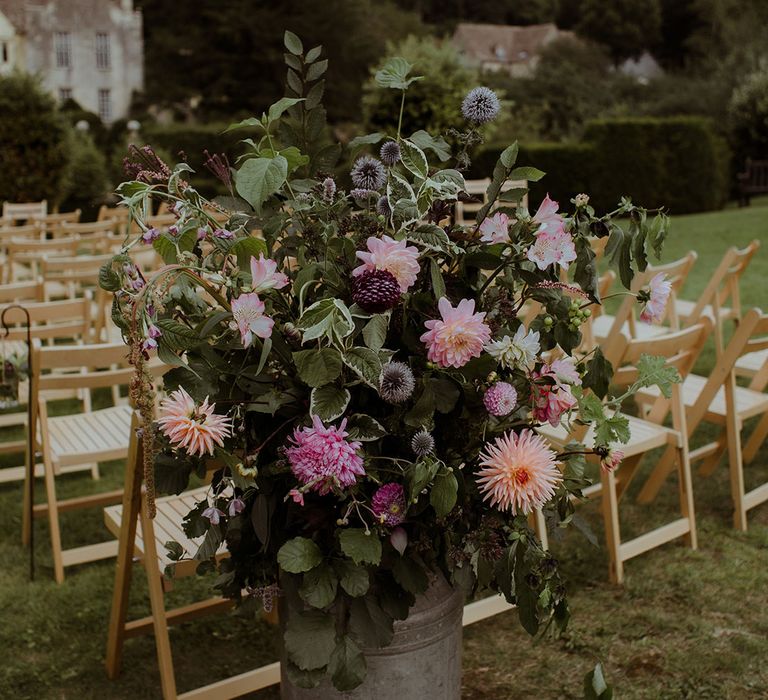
20	292
103	365
80	270
52	320
89	229
466	211
14	212
53	223
27	231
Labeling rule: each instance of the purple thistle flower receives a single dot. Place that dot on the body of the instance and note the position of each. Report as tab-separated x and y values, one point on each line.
390	152
480	105
388	504
368	173
382	206
329	189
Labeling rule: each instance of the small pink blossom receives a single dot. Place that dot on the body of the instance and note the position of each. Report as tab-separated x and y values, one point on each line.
398	538
547	217
500	399
551	401
250	320
658	293
551	248
396	257
297	496
213	514
458	337
564	370
235	507
611	460
321	457
495	229
150	235
264	274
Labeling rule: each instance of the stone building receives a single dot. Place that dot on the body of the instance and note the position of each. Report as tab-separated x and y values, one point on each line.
88	50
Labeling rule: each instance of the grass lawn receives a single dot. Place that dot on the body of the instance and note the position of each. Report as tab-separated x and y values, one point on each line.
685	624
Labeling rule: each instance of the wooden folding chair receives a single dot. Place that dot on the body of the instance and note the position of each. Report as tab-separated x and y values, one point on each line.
69	441
19	292
52	223
718	399
608	328
681	349
466	211
85	230
13	213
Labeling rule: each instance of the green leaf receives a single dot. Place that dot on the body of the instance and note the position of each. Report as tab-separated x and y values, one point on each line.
259	178
435	274
282	106
210	545
443	494
370	623
359	547
172	472
439	146
413	159
316	71
394	74
375	332
250	123
419	475
365	363
165	248
318	588
293	43
431	237
595	685
368	140
513	194
176	335
422	412
317	367
294	157
364	428
347	666
247	248
504	572
310	638
354	579
304	679
527	173
446	393
654	370
410	575
598	374
591	409
611	430
508	156
328	402
109	280
313	54
299	555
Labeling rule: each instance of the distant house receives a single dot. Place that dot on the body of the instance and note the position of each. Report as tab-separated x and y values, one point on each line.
498	47
89	50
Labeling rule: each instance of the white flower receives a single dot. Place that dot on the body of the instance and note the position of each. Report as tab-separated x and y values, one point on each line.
520	351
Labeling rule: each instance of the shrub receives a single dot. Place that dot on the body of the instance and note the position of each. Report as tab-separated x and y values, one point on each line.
35	143
748	116
87	181
434	102
679	163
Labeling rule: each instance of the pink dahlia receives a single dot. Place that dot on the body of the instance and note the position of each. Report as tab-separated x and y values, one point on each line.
388	504
495	229
500	399
657	295
611	460
396	257
195	428
519	473
264	275
458	337
550	401
322	457
250	320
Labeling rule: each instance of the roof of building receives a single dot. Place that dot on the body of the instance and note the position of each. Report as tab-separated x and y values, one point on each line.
501	43
14	12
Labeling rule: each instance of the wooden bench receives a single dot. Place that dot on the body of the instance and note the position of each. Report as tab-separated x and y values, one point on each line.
753	180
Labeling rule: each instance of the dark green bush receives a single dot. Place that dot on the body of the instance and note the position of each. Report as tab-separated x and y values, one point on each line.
679	163
35	143
87	181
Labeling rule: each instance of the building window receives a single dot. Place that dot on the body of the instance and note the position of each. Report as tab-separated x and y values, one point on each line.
65	94
4	57
63	44
103	57
105	105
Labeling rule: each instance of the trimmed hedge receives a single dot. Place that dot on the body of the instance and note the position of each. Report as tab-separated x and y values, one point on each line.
677	162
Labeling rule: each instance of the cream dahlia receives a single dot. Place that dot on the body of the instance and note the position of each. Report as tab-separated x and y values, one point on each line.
458	337
195	428
396	257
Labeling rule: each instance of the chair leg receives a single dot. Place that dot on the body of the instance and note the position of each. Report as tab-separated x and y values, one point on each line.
686	496
612	528
157	603
658	476
736	468
756	440
539	525
709	465
53	522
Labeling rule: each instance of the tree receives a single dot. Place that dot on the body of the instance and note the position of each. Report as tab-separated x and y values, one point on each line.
433	103
35	142
625	27
748	116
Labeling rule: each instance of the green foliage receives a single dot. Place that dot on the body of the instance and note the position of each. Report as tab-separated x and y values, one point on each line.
87	180
433	103
595	685
360	546
624	27
35	143
298	555
748	116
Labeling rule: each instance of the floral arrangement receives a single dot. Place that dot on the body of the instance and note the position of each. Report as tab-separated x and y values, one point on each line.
356	369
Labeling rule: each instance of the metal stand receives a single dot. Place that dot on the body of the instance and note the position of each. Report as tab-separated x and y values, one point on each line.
30	457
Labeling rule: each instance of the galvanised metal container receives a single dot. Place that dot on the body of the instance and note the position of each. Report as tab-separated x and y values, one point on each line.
422	663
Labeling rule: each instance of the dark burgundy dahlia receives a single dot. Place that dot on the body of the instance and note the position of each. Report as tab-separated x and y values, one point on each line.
376	291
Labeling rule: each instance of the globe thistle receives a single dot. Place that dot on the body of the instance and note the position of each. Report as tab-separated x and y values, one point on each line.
368	173
480	105
382	206
396	383
329	189
390	152
375	291
422	443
